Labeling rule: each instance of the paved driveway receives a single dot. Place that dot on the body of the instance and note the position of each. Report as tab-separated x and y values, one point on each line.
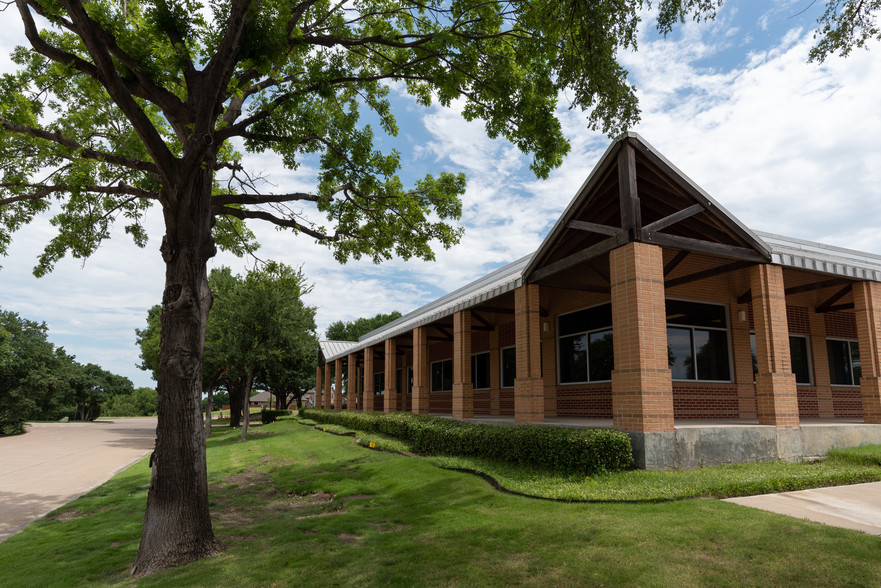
53	463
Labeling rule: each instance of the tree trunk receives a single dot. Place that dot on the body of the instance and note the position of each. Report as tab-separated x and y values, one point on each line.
247	401
235	403
177	523
208	413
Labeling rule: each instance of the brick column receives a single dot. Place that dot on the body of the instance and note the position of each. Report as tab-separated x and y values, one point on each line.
368	380
325	404
391	366
776	396
421	384
463	390
338	385
642	384
352	382
318	388
820	365
528	385
867	307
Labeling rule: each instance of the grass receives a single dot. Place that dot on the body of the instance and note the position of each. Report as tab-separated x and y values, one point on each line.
295	505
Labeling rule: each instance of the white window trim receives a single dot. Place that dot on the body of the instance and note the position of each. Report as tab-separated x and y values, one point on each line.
489	369
587	341
848	341
726	329
431	389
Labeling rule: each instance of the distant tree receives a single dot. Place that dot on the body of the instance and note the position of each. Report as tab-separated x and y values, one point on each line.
93	386
141	402
353	330
846	25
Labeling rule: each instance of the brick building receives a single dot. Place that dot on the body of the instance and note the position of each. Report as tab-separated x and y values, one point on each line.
651	309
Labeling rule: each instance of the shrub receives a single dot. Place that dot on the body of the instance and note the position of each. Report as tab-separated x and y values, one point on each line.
270	416
564	449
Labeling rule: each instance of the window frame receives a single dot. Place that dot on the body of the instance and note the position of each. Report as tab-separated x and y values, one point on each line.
379	390
431	365
586	335
726	329
753	348
856	383
474	371
502	367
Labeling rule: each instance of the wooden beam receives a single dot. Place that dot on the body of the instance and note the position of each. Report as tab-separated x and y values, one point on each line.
824	307
496	309
745	297
593	227
837	307
710	273
579	287
708	247
631	219
601	272
444	332
673	218
679	258
585	254
483	322
816	286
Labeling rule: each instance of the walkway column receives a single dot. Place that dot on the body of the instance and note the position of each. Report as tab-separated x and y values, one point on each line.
352	382
776	396
867	306
327	377
421	385
528	386
391	367
368	380
338	385
642	384
318	389
463	389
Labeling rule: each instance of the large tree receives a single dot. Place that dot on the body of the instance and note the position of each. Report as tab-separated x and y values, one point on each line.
120	105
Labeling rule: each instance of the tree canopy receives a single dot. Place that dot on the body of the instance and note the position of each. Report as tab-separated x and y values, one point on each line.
353	330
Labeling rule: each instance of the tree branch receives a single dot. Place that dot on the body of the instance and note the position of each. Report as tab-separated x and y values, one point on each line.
281	222
43	190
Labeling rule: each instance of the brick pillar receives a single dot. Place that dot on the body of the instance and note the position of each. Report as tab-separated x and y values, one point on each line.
420	370
318	388
820	365
391	365
463	390
325	404
338	385
642	384
352	382
867	307
528	385
776	396
368	380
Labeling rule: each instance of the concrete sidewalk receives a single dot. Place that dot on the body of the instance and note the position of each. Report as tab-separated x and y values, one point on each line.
851	507
54	463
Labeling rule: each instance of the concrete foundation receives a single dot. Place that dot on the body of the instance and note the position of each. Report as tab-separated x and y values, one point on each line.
690	447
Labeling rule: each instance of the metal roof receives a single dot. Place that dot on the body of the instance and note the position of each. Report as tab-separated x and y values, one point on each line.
334	349
818	257
496	283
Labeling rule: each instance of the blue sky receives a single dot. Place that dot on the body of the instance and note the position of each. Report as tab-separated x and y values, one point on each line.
786	146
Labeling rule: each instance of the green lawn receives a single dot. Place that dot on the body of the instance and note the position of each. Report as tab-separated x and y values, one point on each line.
296	506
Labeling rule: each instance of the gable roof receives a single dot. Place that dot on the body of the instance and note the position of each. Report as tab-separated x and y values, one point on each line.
635	194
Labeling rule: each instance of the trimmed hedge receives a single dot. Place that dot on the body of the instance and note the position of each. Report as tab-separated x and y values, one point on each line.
558	448
270	416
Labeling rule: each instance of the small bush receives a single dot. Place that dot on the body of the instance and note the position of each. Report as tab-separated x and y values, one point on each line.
559	448
270	416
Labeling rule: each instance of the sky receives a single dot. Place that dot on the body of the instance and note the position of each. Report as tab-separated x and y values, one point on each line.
786	146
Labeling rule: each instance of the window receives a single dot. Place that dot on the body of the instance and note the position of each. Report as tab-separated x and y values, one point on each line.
585	345
398	381
799	353
379	383
410	379
697	341
508	366
844	362
480	371
442	376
